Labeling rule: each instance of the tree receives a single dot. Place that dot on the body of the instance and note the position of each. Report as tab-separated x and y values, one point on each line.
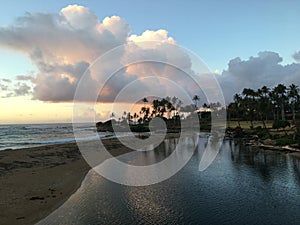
196	99
145	111
293	94
280	93
135	116
249	103
145	100
263	104
112	115
265	97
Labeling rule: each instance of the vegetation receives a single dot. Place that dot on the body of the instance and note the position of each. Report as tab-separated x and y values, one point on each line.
268	113
169	109
275	108
279	103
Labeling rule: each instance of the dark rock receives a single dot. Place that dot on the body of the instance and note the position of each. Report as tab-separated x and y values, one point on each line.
37	198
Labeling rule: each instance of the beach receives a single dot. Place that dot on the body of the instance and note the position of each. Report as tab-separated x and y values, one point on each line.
35	181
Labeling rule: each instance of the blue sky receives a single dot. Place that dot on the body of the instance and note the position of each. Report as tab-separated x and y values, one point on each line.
215	30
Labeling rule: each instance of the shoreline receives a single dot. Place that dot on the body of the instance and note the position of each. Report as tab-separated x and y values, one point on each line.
37	180
253	140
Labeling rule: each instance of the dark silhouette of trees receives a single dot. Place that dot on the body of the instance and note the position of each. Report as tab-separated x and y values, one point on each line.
265	104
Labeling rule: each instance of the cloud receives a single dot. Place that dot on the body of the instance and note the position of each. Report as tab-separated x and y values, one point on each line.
64	45
25	78
15	89
3	87
264	69
21	89
6	80
296	56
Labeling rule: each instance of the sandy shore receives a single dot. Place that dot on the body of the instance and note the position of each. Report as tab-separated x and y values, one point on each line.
36	181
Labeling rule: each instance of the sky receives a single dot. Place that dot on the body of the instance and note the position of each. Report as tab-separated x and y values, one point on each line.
46	47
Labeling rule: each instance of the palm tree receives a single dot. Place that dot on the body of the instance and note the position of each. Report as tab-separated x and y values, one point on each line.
280	92
249	103
237	107
112	115
145	100
293	94
135	116
265	94
155	106
145	111
129	117
263	104
196	99
124	116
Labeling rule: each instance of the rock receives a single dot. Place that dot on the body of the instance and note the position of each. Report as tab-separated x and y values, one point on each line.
37	198
20	218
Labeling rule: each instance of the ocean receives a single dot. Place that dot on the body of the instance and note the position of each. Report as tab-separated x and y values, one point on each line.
29	135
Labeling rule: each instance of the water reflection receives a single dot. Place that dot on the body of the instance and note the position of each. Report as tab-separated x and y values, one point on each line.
243	186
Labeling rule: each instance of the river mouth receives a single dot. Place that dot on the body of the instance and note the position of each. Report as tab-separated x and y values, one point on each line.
243	185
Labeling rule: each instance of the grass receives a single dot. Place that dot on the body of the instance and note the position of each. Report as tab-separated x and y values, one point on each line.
247	124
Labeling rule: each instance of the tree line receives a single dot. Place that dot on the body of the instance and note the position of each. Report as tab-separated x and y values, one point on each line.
278	104
168	108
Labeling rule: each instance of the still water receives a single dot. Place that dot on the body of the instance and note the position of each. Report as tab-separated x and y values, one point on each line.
242	186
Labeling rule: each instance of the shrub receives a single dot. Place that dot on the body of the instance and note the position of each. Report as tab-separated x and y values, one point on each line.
261	132
285	141
277	124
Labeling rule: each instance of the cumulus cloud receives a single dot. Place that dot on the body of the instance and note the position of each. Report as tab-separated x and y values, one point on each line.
296	56
264	69
64	45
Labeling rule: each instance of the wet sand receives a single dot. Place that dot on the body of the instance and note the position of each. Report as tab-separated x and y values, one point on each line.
36	181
